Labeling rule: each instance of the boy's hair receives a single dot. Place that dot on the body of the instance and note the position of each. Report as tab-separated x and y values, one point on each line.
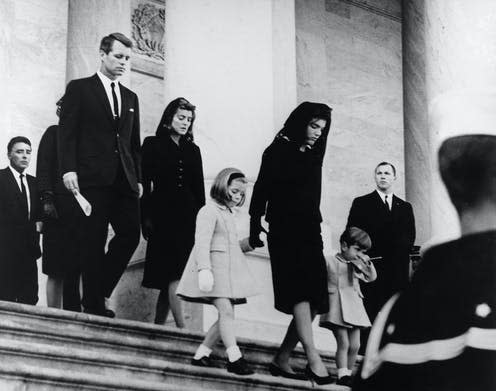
219	190
15	140
355	236
468	169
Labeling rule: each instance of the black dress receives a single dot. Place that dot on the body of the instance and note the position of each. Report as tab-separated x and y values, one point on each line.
60	250
287	191
173	193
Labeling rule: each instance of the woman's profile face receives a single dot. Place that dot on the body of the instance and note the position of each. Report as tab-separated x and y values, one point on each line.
181	122
314	130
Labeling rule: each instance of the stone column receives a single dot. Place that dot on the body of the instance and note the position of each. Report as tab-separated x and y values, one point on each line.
89	22
460	88
418	160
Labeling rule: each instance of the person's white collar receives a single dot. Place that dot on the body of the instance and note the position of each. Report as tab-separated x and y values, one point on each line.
383	197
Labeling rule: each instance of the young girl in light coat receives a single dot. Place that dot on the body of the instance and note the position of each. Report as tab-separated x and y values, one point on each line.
346	310
217	272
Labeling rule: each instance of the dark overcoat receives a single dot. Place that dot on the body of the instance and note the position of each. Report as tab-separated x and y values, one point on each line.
174	191
393	235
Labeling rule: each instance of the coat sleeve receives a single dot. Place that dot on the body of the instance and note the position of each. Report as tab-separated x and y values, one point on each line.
136	142
198	179
68	128
368	272
45	168
205	227
261	189
146	179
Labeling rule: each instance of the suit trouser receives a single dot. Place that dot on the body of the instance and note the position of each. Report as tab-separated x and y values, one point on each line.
119	206
19	280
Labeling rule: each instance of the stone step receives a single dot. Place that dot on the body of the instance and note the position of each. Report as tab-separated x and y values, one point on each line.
140	340
17	376
120	366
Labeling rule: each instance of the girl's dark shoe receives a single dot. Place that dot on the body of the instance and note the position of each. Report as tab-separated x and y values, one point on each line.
205	362
239	367
320	380
344	381
278	371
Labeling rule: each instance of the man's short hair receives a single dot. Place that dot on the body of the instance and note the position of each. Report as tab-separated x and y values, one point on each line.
386	164
107	42
468	169
15	140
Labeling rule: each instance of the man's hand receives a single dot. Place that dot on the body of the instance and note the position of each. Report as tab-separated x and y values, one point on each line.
140	190
49	209
205	280
71	181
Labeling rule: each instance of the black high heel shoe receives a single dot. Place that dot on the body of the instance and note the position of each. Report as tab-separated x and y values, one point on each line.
314	378
275	370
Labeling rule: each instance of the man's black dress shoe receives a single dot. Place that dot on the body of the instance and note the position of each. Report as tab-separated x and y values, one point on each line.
278	371
239	367
205	362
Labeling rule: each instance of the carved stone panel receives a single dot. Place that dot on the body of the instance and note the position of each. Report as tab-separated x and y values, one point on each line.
148	28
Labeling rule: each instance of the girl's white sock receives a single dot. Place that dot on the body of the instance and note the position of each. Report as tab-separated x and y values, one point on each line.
202	351
233	353
343	372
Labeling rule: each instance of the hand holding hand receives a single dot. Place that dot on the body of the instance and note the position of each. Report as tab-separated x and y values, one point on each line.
256	229
206	280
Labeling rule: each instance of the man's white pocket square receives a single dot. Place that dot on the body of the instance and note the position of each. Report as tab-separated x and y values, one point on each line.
131	110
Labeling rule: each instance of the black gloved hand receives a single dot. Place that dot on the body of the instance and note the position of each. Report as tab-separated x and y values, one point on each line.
48	206
147	228
256	229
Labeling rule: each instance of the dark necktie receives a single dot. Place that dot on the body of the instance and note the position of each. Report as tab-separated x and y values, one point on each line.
24	196
387	203
114	99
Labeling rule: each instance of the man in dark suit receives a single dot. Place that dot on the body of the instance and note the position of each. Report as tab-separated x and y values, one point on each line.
19	239
390	224
99	154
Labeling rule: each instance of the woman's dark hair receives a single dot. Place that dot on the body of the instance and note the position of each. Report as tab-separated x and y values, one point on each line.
169	112
355	236
295	127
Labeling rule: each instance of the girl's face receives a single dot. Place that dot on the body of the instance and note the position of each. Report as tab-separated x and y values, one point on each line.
353	252
181	122
236	191
314	130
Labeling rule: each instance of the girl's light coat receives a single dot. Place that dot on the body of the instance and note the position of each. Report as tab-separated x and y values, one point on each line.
217	248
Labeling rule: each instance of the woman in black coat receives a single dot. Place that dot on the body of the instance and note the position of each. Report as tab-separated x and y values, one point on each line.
173	192
287	192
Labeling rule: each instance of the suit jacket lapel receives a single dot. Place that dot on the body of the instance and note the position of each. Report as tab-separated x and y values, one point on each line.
125	106
15	187
102	96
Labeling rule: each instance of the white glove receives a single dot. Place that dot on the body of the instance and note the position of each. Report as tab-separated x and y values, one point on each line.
205	280
70	180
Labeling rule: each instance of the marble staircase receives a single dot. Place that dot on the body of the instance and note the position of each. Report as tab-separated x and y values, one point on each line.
47	349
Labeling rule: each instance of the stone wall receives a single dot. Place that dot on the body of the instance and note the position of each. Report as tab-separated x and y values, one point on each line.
349	56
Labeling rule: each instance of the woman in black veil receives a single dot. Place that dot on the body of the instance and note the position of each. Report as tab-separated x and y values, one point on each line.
287	192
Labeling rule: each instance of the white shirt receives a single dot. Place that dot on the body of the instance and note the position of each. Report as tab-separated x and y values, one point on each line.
18	180
389	198
108	90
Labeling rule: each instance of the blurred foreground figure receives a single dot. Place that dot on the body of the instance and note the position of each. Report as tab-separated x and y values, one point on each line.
440	333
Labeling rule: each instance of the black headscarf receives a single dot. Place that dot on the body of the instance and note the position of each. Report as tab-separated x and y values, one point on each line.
295	127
